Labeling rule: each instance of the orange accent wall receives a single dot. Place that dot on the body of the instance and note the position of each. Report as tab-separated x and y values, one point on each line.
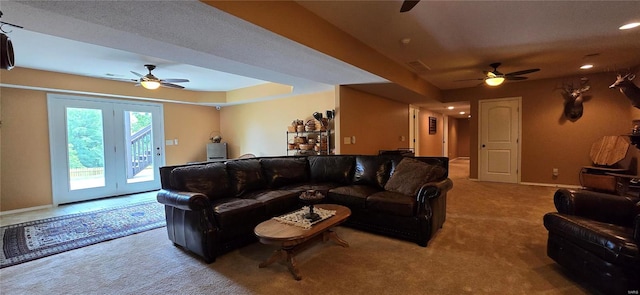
376	122
548	139
430	144
462	138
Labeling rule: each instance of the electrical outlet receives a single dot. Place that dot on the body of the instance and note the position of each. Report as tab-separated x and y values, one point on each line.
353	139
175	141
168	142
555	172
347	140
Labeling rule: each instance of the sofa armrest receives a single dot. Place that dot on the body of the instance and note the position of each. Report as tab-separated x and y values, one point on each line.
189	201
620	210
433	190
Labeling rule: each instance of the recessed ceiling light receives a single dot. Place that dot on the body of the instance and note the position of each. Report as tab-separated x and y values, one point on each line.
586	67
629	26
462	113
450	108
405	41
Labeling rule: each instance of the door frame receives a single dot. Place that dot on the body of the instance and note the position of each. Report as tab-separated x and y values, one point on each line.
519	135
55	101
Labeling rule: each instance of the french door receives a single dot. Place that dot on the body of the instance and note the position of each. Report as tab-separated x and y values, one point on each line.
103	147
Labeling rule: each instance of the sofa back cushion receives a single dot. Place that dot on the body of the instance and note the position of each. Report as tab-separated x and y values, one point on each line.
411	174
337	169
209	179
245	175
372	171
284	171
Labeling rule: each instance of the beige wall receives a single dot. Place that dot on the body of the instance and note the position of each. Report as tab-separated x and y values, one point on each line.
26	168
24	151
260	128
548	140
376	122
192	125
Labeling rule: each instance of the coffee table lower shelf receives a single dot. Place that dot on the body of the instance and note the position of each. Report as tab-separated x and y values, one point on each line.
293	239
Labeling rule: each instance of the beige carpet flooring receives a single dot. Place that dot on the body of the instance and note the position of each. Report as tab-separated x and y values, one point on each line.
493	242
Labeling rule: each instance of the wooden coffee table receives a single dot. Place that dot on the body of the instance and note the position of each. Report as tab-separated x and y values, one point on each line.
293	239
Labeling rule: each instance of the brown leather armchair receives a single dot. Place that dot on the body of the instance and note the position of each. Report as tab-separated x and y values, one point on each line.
596	236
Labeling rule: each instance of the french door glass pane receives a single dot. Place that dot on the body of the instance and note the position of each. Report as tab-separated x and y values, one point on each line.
139	146
85	148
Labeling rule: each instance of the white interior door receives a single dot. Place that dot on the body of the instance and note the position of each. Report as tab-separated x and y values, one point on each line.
101	148
499	140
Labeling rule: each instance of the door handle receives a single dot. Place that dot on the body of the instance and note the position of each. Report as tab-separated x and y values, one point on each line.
483	146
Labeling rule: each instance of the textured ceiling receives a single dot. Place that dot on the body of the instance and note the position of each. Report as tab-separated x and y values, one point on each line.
185	39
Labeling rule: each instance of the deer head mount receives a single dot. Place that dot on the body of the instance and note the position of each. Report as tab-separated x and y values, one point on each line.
573	99
630	90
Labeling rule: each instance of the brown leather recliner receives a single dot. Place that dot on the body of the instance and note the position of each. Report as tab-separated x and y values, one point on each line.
596	236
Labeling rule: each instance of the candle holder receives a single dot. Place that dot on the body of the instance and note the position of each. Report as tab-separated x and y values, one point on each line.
311	197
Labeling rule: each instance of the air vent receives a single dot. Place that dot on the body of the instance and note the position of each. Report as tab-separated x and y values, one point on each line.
418	66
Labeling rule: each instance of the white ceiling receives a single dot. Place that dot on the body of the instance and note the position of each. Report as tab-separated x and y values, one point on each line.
457	40
185	39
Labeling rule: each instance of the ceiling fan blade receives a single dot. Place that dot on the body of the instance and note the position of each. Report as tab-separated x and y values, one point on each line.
522	72
169	85
478	79
174	80
408	5
137	74
514	78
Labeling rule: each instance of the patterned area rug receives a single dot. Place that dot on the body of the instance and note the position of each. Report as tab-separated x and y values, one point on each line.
36	239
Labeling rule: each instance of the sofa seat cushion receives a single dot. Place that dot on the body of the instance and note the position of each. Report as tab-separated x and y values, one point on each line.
276	202
233	212
352	196
411	174
392	203
246	176
284	171
610	242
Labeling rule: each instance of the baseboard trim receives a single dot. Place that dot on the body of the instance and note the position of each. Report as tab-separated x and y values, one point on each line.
552	185
544	184
2	213
459	158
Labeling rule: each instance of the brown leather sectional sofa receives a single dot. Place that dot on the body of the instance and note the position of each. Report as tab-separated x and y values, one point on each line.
213	208
596	236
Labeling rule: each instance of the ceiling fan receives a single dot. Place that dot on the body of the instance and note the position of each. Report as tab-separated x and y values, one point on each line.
150	81
408	5
495	78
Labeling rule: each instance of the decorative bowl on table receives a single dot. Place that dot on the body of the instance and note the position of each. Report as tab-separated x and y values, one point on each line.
311	197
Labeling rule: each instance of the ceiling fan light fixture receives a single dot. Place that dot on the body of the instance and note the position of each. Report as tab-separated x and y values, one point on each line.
151	85
586	67
629	26
494	81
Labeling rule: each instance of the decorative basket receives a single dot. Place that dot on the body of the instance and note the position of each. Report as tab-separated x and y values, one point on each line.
306	146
